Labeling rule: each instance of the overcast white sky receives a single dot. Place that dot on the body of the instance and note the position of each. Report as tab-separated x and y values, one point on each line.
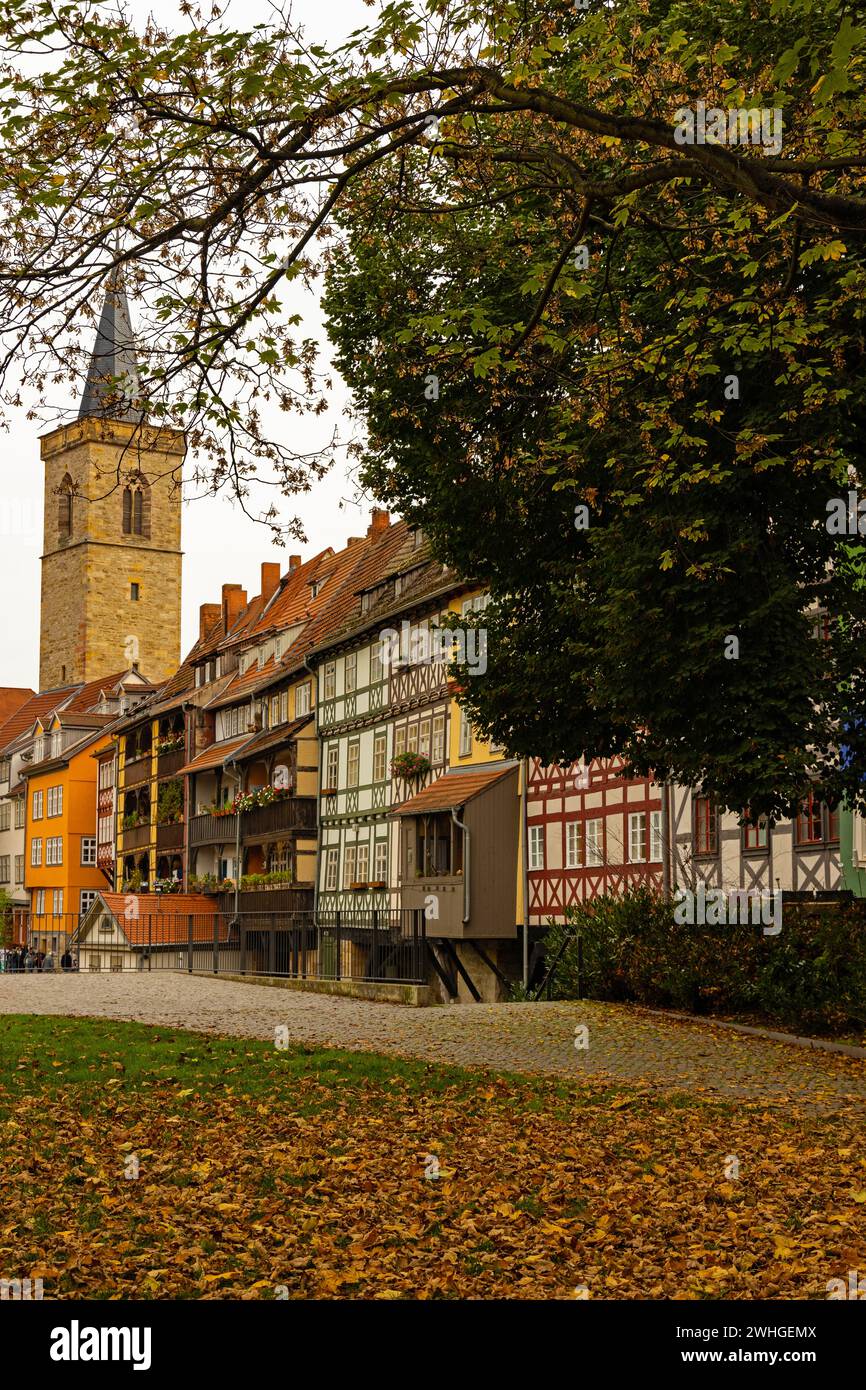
220	544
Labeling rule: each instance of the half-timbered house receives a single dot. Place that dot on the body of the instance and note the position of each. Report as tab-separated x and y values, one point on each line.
589	831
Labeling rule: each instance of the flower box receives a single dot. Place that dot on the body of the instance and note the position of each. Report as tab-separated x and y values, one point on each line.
377	883
410	765
357	887
329	791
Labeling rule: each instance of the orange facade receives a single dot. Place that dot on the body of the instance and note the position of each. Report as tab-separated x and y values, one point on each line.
60	870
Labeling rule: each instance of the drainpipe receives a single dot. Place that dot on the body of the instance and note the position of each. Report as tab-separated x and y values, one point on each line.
466	863
525	874
666	845
231	763
320	748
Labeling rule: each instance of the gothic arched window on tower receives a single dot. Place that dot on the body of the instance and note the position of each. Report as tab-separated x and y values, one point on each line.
64	508
136	507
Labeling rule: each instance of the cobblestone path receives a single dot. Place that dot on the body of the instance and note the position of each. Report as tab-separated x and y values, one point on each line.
625	1044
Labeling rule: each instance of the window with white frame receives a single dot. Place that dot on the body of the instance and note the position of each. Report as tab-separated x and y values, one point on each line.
594	843
35	853
637	837
424	739
57	902
5	769
332	864
399	740
37	805
19	868
332	766
353	764
88	849
5	868
655	836
106	775
275	711
363	865
380	861
284	706
465	745
437	751
55	801
376	663
350	856
86	900
40	902
105	829
350	682
412	738
54	849
303	696
329	684
19	812
5	815
380	744
573	844
536	846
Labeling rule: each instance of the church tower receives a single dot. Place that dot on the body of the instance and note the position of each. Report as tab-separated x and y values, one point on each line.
111	568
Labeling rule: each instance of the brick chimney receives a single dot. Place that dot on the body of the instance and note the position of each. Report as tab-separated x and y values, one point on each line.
294	563
270	579
379	522
208	614
234	601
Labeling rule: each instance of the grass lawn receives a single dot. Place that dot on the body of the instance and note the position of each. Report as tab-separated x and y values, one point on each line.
304	1173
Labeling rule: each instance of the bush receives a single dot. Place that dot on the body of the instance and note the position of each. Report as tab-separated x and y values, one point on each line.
812	976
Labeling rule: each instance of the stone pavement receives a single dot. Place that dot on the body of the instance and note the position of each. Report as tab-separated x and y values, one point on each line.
626	1044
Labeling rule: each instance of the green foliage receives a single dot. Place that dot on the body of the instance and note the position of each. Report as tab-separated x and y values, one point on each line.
169	806
810	978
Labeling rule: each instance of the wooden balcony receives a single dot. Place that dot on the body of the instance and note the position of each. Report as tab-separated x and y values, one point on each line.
170	836
281	817
137	771
212	830
170	763
280	901
262	823
139	836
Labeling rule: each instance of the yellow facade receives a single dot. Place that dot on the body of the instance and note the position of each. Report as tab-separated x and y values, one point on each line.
61	806
110	592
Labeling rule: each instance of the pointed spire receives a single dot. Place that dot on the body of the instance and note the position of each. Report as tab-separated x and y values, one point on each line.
113	356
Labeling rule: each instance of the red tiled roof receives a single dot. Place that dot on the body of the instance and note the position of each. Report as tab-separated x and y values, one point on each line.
272	738
452	789
19	722
88	694
215	754
162	919
12	697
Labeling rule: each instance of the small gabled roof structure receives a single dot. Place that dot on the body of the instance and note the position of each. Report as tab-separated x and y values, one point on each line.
453	789
151	920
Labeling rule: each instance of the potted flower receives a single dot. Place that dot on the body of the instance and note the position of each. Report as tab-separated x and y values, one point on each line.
410	765
171	743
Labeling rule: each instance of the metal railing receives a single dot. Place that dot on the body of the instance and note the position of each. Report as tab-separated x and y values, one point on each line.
364	945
